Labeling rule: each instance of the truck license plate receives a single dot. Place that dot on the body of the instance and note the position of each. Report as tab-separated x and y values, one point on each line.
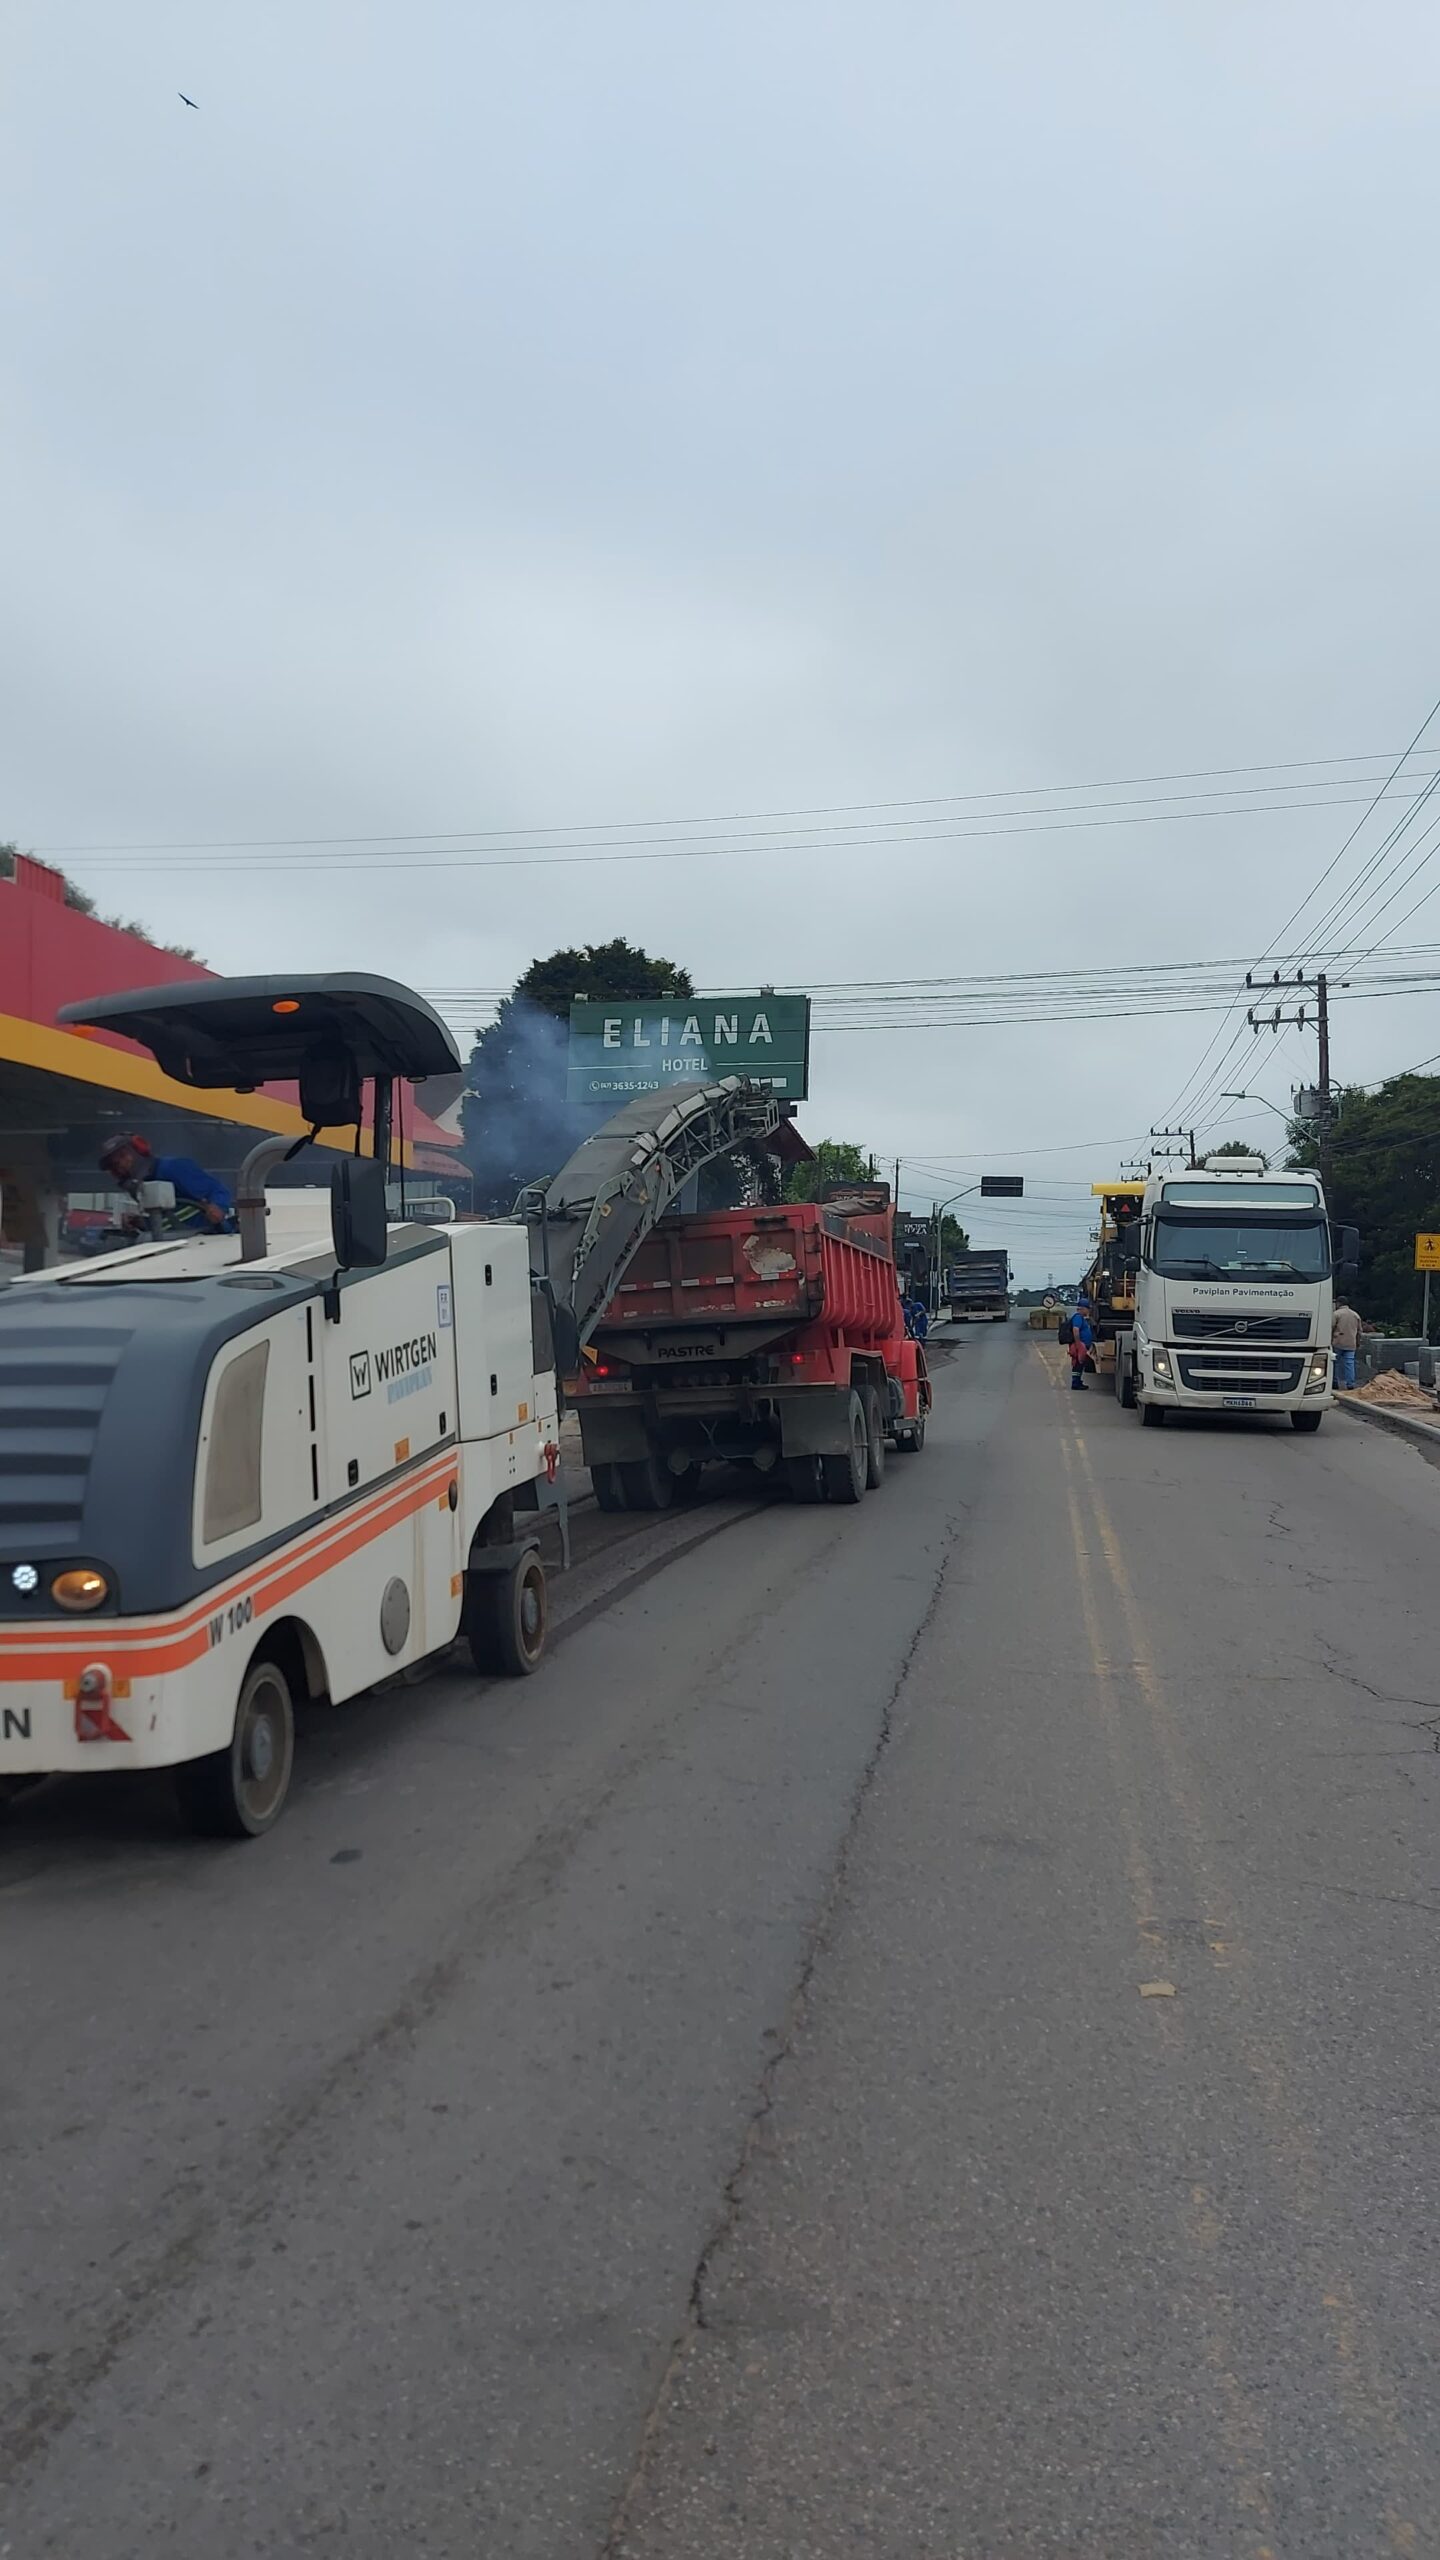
1247	1402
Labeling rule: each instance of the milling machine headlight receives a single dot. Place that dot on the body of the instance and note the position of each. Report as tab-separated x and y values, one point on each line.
79	1588
25	1577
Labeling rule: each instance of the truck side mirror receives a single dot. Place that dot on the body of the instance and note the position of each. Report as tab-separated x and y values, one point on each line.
1349	1252
357	1213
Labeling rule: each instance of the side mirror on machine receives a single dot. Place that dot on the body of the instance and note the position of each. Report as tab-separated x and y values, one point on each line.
357	1213
566	1335
555	1327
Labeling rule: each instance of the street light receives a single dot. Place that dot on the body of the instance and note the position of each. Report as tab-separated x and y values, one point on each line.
991	1186
1256	1097
941	1208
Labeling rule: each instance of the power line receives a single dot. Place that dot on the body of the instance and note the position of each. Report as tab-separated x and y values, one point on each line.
1189	1097
405	857
740	817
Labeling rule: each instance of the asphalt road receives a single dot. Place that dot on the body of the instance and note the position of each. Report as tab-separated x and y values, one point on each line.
912	2036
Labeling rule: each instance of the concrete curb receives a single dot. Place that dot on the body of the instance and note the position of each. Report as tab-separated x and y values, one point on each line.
1409	1426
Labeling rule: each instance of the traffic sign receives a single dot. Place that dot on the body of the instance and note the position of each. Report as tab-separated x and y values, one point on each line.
1427	1253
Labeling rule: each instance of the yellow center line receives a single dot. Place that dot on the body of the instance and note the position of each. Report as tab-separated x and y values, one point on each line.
1241	2427
1363	2388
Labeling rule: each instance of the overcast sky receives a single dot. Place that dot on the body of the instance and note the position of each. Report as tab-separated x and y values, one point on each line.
488	417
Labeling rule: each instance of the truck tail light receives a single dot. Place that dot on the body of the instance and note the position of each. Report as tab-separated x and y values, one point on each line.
94	1707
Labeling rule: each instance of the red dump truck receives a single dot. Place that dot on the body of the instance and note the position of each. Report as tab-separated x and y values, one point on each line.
768	1335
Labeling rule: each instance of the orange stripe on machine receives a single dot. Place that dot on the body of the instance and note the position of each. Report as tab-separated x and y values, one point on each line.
149	1647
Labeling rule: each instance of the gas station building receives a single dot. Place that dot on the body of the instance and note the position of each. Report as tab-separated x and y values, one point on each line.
64	1092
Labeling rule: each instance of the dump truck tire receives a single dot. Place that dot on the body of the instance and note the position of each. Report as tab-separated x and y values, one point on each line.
649	1485
874	1440
847	1477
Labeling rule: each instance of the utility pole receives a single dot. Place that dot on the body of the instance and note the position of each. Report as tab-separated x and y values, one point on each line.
1322	1012
1299	1021
1187	1134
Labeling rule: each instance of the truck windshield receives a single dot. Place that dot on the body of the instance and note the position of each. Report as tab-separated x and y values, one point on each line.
1207	1247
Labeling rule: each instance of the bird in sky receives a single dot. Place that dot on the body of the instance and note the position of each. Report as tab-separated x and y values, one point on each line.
189	102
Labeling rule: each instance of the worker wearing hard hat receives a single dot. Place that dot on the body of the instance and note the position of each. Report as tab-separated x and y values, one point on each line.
200	1201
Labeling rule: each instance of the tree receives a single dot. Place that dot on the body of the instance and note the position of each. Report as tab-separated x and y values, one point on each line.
1237	1147
836	1160
1385	1180
517	1123
953	1239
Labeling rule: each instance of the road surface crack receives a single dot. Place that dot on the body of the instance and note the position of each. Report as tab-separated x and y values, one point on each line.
815	1944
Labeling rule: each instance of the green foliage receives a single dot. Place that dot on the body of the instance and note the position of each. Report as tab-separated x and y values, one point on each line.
1237	1147
840	1160
836	1160
516	1121
599	971
1385	1180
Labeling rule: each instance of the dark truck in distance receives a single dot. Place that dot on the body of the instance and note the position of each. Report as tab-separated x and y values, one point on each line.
978	1287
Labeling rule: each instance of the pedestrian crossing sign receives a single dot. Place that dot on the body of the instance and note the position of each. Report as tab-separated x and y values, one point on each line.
1427	1253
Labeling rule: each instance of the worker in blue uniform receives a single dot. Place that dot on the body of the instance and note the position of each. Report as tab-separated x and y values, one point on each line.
200	1201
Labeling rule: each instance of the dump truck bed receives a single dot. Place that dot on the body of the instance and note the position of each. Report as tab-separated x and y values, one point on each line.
759	1273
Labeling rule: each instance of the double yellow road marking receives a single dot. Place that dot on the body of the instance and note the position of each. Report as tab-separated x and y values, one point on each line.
1155	1740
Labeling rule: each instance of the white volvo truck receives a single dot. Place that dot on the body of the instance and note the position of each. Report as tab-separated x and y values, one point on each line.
1234	1294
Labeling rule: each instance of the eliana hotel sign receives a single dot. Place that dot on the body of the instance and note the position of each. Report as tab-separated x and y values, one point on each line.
622	1048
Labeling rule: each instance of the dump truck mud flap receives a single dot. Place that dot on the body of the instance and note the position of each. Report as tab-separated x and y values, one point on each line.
611	1433
814	1421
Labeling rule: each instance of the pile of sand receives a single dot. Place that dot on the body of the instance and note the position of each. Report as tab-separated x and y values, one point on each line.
1391	1386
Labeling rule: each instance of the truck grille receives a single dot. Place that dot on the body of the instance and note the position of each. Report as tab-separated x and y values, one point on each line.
1237	1373
1198	1324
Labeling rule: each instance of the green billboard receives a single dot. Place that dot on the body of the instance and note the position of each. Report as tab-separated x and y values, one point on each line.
626	1047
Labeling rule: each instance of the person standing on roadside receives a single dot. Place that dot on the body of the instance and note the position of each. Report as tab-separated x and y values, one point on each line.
1345	1335
1082	1342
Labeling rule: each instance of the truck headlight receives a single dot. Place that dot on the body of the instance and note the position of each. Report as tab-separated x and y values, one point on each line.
1160	1365
1319	1372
